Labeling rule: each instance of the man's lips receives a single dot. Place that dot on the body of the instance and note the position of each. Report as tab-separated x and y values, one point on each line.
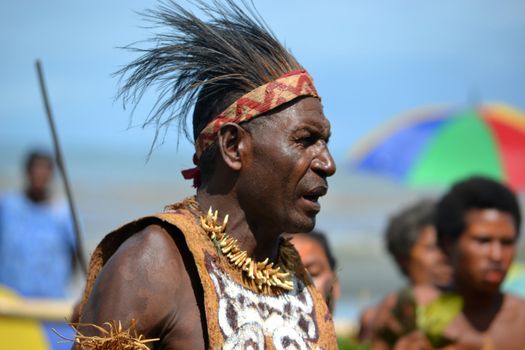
313	195
494	275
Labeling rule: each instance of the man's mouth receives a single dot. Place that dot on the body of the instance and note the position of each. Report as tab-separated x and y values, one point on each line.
313	196
494	275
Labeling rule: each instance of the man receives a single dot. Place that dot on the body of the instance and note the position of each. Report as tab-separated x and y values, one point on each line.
224	279
478	222
411	240
317	258
37	244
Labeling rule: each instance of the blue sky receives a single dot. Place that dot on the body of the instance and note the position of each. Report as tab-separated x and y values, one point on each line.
371	61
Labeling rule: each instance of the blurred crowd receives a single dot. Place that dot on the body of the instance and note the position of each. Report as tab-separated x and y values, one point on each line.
455	254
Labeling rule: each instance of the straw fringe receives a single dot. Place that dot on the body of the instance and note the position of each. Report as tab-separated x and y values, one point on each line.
112	337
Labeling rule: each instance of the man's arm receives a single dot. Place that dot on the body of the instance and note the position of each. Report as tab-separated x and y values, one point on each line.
144	280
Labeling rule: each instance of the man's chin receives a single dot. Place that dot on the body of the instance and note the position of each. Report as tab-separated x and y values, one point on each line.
302	225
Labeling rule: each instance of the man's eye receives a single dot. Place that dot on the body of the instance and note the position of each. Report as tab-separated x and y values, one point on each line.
307	140
314	270
508	242
482	240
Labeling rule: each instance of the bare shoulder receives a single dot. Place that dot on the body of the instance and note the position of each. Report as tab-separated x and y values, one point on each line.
515	300
143	280
506	332
514	307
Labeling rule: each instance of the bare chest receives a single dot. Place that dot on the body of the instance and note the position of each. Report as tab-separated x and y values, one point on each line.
506	331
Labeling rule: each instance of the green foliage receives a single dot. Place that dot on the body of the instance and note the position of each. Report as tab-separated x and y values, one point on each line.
432	319
351	344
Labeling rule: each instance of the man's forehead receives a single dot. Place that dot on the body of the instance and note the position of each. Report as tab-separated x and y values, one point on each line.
488	216
308	112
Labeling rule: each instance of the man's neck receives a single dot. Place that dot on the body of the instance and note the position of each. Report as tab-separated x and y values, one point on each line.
257	238
36	196
480	307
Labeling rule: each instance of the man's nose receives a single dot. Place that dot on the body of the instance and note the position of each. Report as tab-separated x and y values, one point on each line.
495	251
324	163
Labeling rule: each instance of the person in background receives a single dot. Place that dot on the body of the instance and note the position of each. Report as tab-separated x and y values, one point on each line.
478	222
37	242
319	261
411	240
321	264
37	251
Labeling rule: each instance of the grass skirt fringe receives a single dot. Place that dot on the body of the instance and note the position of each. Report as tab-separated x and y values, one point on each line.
111	337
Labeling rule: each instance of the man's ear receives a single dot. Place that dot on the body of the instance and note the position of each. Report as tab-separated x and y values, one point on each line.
232	140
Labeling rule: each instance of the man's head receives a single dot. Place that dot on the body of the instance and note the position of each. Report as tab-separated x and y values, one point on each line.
283	164
319	261
412	242
39	173
258	124
478	222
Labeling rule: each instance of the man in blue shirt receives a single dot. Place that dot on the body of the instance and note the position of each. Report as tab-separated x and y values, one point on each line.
37	243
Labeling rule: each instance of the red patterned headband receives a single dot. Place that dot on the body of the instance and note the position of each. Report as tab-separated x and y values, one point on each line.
256	102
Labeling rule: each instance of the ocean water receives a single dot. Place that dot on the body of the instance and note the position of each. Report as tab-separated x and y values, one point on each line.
114	186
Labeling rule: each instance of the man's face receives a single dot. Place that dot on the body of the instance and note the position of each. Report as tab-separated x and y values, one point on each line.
427	263
39	174
484	252
316	263
286	170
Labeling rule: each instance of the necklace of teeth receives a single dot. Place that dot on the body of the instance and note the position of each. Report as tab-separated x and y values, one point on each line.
261	274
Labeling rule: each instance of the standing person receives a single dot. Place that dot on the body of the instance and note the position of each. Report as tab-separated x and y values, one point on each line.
478	223
37	249
37	244
222	279
411	240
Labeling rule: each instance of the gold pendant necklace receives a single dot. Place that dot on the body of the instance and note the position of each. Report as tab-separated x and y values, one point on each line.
262	274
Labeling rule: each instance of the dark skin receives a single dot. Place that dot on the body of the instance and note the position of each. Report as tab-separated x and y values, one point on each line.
480	259
268	177
39	175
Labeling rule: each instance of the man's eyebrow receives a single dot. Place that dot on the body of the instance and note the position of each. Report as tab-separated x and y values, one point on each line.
315	127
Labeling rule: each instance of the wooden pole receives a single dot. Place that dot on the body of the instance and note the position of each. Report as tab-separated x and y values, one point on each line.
60	164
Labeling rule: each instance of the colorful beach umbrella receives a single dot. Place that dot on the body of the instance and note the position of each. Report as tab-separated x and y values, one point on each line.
440	145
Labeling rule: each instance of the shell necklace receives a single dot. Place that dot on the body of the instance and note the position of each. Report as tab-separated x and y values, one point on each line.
264	275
